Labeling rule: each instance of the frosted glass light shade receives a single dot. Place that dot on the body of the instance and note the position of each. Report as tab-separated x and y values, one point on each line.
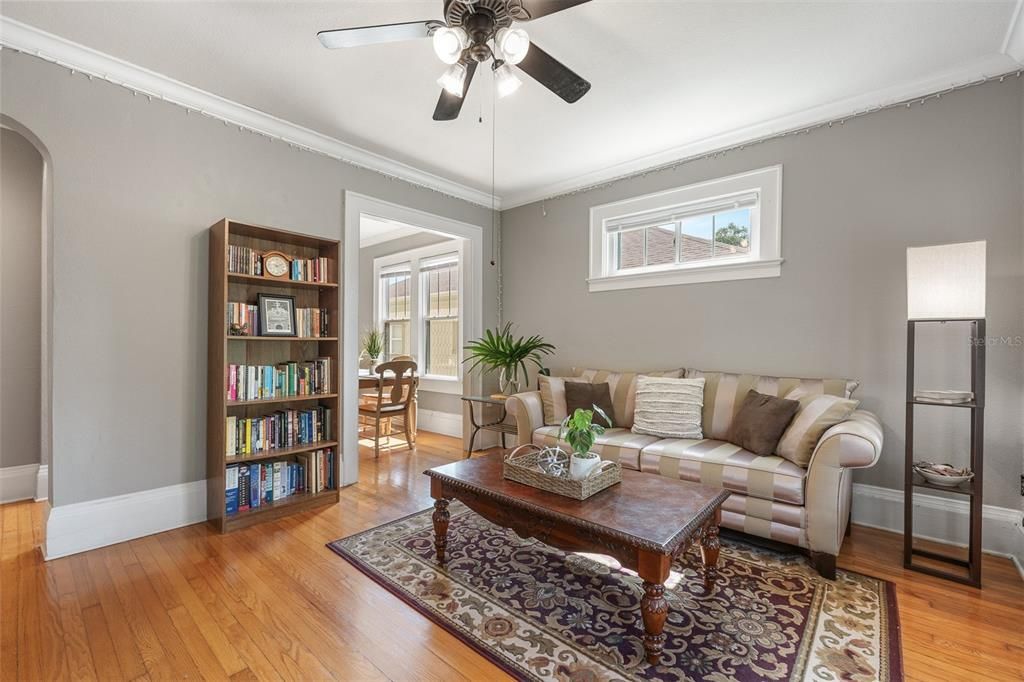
946	281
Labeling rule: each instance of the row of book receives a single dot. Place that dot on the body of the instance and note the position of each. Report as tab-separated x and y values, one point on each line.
282	429
250	486
244	260
309	322
284	380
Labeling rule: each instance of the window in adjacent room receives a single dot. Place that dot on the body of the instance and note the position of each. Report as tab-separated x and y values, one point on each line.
419	309
722	229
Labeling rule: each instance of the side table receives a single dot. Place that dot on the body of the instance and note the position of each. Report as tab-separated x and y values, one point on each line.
498	425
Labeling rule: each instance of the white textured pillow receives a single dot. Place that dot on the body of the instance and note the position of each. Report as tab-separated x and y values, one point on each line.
670	408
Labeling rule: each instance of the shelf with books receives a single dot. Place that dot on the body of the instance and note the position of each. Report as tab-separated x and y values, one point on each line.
246	366
281	453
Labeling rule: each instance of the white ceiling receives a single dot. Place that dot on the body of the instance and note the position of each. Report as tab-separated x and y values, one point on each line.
666	74
373	230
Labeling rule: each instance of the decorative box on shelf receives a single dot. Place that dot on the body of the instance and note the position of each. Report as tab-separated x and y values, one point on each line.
548	469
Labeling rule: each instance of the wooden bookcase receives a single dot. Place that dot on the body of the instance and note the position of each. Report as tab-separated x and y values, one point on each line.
224	349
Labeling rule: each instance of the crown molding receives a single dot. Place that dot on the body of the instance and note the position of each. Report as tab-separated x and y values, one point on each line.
987	67
69	54
1013	44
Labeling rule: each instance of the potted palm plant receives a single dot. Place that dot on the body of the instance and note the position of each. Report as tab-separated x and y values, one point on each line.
580	432
373	345
499	349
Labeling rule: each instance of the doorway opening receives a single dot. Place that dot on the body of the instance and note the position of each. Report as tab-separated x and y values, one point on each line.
412	288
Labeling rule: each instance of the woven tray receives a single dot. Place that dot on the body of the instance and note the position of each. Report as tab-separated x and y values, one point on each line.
548	469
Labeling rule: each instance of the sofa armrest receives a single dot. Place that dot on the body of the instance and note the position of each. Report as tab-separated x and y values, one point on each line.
853	444
528	411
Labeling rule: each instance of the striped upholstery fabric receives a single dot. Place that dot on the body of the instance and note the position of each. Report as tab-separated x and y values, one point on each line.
774	520
717	463
552	395
817	414
617	445
622	386
724	393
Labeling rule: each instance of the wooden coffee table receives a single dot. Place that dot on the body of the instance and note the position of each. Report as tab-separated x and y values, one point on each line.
643	522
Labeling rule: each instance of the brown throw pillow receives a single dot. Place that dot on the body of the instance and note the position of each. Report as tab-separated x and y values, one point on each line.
579	395
759	424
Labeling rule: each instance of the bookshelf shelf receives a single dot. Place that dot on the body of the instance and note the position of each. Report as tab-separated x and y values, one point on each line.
293	339
235	245
267	282
278	453
286	399
288	505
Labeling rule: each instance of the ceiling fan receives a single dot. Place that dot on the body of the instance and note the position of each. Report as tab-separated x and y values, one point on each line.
473	32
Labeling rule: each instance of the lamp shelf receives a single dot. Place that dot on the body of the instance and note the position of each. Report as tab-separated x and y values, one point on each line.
931	403
965	488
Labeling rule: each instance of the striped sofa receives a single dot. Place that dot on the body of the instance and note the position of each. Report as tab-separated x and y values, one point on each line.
771	496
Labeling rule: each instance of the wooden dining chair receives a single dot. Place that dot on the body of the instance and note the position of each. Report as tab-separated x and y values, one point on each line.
398	401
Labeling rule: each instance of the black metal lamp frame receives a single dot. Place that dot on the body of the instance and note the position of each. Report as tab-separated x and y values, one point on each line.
973	488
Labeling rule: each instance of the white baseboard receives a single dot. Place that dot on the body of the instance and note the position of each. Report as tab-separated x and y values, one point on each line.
18	483
74	528
43	482
445	423
942	519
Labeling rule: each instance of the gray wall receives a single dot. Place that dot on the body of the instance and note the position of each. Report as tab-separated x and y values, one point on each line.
135	186
439	402
854	198
21	202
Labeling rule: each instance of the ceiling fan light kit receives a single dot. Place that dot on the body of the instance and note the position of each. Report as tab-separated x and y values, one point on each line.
473	32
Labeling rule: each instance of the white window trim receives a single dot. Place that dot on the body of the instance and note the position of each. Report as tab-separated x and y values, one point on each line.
764	259
428	382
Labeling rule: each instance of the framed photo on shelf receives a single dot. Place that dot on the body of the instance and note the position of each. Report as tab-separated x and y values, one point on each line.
276	314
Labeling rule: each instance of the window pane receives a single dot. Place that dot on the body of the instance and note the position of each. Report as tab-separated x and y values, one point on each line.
442	339
661	244
396	339
630	249
720	235
395	296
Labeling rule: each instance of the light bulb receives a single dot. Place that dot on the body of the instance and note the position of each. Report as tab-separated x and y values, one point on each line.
505	81
513	43
453	79
449	43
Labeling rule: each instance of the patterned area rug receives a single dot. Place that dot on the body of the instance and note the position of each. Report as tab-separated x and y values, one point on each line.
542	614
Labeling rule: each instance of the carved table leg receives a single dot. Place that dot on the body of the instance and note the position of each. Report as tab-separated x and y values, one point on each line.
709	547
654	609
441	517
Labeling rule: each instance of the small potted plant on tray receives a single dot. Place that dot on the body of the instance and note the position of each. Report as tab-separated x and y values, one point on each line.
580	432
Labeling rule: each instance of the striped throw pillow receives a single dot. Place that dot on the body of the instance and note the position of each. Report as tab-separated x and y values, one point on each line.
669	408
622	386
552	398
817	414
724	393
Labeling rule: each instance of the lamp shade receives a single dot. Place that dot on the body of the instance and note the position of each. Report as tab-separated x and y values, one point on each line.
946	281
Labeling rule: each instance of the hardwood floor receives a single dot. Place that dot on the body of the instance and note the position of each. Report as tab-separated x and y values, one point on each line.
271	602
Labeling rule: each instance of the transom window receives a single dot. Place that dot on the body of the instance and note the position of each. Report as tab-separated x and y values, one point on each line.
419	308
721	229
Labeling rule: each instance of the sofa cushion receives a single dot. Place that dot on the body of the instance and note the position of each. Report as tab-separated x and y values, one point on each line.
718	463
724	393
817	414
760	422
668	407
580	395
552	395
617	445
623	389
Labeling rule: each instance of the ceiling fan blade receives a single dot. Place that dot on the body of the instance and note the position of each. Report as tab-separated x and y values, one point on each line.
527	10
553	74
448	105
369	35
